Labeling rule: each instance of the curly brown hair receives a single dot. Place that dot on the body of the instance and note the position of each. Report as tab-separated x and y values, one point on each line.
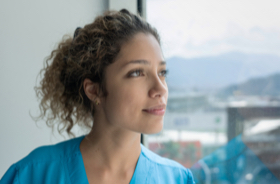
94	47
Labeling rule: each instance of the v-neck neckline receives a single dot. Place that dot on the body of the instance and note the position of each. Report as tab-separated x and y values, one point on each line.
77	171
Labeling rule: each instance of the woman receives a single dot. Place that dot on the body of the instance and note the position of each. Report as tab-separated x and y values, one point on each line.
112	73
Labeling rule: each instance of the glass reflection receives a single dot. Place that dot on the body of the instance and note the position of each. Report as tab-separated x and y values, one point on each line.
243	160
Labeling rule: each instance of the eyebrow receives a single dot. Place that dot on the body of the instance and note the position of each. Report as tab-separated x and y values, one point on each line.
142	61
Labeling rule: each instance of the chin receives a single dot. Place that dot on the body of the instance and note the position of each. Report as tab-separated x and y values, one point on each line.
154	129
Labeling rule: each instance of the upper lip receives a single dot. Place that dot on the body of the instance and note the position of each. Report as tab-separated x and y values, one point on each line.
156	107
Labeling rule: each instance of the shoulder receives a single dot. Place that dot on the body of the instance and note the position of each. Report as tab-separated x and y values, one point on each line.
51	152
165	162
45	158
169	170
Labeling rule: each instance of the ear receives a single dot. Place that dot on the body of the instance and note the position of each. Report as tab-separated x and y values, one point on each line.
91	90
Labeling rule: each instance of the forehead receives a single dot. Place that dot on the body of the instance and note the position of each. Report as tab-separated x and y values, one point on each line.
141	47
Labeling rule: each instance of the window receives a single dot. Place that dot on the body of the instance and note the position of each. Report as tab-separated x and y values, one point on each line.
223	112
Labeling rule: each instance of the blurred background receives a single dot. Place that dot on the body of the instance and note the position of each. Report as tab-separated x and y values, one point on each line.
223	113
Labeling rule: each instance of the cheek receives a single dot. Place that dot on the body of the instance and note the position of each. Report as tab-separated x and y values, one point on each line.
166	95
126	100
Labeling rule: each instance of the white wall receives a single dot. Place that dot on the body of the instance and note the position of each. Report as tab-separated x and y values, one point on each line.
130	5
29	31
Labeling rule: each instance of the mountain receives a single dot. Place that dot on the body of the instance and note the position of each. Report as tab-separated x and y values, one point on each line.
219	71
268	86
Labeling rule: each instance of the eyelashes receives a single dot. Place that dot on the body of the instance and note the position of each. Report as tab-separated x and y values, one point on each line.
136	73
140	72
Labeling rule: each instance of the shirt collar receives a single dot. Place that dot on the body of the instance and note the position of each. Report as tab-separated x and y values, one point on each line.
77	172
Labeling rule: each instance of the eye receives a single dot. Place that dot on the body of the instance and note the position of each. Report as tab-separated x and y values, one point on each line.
163	73
136	73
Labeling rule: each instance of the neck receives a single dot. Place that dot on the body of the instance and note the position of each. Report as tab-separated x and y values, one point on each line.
111	149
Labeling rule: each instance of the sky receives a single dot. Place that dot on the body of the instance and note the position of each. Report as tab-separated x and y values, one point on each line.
196	28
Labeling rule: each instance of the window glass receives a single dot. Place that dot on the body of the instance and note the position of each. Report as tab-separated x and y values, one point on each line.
223	112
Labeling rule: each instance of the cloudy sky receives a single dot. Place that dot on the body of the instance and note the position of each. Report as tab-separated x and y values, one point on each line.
195	28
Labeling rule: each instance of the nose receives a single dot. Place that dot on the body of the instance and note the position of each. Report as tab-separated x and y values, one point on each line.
158	87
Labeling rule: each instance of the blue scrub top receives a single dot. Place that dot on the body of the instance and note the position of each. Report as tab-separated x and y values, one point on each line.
63	163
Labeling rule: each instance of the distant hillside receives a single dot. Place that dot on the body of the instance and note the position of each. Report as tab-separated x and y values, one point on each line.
257	86
219	71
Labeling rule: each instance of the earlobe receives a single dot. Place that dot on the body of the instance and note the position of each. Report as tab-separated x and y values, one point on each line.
91	90
96	102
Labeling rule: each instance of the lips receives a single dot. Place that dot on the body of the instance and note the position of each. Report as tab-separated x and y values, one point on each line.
156	110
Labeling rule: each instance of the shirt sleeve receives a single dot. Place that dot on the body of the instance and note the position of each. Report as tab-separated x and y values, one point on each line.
11	176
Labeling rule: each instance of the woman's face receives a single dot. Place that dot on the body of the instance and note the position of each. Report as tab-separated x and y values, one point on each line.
137	91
